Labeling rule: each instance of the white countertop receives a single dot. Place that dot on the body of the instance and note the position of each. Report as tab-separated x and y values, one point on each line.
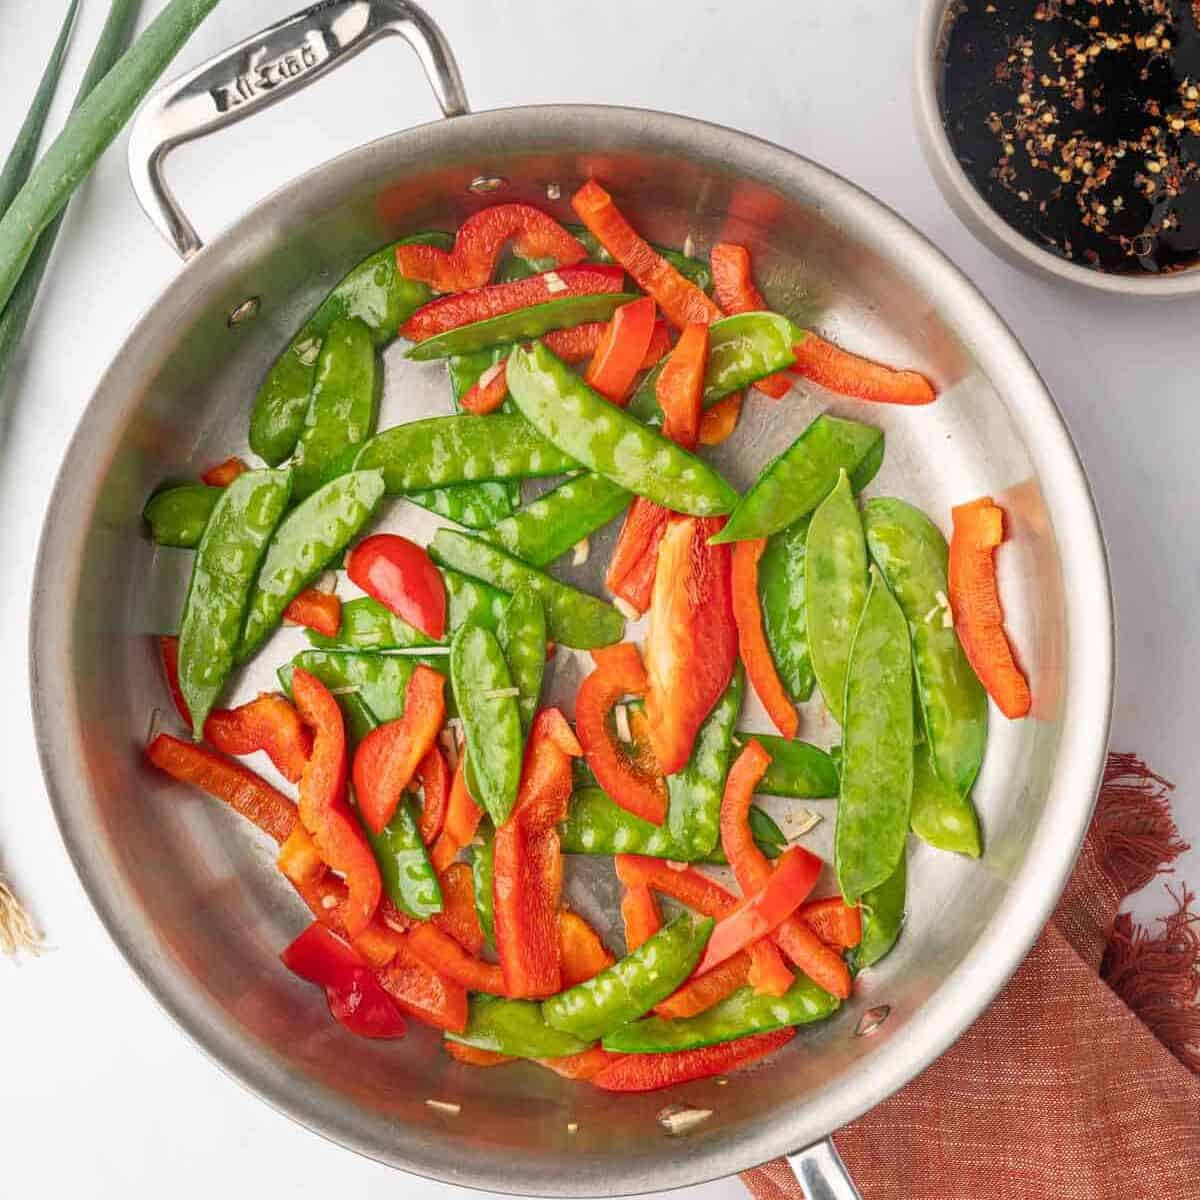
100	1094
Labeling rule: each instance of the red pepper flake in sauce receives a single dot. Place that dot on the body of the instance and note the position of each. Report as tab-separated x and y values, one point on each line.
1079	122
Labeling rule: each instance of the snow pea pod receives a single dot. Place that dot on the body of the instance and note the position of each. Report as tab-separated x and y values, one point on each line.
798	769
177	516
376	293
912	554
837	588
877	747
609	440
782	572
549	526
694	804
633	985
367	625
882	916
739	1015
514	1027
793	484
379	680
341	412
408	875
475	505
942	816
235	540
461	449
312	534
572	617
520	325
522	636
483	690
483	872
742	349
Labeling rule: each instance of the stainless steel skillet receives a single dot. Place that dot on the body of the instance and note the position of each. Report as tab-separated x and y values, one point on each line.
193	901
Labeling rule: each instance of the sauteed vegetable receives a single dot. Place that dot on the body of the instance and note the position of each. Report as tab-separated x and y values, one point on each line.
439	793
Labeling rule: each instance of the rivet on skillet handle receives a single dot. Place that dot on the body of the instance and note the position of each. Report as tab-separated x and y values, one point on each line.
821	1173
265	68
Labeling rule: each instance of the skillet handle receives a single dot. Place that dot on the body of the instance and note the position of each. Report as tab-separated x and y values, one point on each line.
265	68
821	1173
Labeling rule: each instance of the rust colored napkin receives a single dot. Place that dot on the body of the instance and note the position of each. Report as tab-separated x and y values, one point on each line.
1082	1080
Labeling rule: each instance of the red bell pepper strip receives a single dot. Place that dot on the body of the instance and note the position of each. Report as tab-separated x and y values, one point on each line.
473	1056
315	610
434	774
736	293
635	556
299	859
701	992
583	953
224	473
168	649
528	866
622	350
462	819
487	393
848	374
752	638
975	603
441	952
783	891
355	996
324	809
681	301
465	308
691	645
834	921
637	786
752	869
401	576
587	1064
388	757
479	242
718	422
245	792
649	1072
422	992
640	914
269	723
680	387
458	917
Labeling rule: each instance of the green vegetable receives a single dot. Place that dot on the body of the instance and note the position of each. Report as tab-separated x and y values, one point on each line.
633	985
341	413
367	625
609	440
797	769
89	130
744	1013
695	269
491	720
377	294
793	484
358	718
837	588
520	325
516	1028
312	534
940	815
227	560
522	636
882	916
741	350
552	524
483	872
912	554
572	617
379	680
877	747
177	516
782	570
461	449
14	315
475	505
408	875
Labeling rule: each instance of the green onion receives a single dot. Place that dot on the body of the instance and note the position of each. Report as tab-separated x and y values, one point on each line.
20	157
88	133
